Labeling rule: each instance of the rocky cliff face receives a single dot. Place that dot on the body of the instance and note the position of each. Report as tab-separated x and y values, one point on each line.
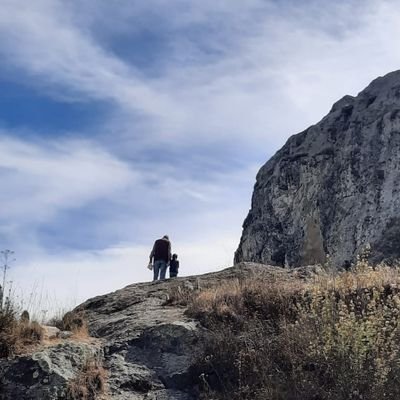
334	188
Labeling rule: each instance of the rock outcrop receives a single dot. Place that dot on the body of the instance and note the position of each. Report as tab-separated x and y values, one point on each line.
333	189
151	348
44	375
148	347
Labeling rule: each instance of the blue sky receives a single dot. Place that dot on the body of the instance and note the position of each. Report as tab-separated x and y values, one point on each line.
121	121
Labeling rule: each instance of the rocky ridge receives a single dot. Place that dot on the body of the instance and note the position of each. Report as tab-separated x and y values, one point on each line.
333	189
148	347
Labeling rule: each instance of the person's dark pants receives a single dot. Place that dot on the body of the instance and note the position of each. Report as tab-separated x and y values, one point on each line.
173	274
159	268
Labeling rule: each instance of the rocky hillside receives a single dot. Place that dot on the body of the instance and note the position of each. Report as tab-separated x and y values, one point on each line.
250	332
334	188
147	346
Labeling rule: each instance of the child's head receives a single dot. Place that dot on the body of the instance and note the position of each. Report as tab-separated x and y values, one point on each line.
174	256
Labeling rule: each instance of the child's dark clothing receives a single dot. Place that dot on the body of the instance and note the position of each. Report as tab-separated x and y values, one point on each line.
173	268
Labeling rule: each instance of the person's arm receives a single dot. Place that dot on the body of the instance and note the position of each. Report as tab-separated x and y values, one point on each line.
152	252
169	252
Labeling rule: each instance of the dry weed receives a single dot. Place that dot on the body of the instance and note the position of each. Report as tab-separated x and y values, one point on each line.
16	335
73	322
90	382
335	337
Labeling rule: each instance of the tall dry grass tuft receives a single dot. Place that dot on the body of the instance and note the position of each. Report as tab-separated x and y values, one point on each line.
334	337
89	384
71	321
16	335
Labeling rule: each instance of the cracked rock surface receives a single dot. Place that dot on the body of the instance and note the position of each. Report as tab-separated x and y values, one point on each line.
44	374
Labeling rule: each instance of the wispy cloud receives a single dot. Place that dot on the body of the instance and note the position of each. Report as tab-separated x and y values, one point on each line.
77	188
229	69
39	181
42	40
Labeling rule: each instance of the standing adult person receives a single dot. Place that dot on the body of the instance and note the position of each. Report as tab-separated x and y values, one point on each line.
161	254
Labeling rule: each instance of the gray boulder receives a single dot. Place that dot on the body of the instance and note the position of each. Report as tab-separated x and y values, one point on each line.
333	189
44	375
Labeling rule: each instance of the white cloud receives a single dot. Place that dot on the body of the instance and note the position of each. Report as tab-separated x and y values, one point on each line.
271	61
277	69
42	40
284	73
40	180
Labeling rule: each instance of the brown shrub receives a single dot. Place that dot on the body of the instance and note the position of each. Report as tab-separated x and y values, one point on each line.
237	301
16	335
179	295
8	323
71	321
336	337
89	384
29	332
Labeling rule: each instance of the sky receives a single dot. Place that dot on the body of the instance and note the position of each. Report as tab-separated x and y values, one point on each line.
122	121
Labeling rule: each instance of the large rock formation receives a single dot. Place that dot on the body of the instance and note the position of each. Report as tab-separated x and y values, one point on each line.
334	188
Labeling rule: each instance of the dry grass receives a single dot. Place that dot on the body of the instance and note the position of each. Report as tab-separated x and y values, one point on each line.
334	337
89	384
236	302
73	322
17	335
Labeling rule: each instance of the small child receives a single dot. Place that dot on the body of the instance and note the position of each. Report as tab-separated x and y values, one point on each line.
174	266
